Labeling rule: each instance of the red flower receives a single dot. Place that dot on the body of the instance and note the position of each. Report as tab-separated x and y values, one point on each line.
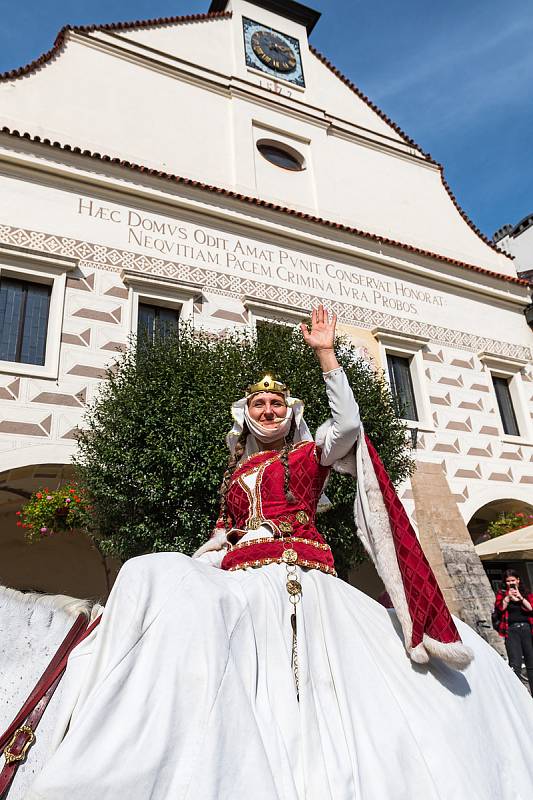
18	513
39	495
19	524
520	514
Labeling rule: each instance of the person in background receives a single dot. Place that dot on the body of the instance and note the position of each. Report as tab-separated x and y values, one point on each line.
515	607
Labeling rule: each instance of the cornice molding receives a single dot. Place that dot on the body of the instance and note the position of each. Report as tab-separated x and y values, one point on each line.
259	306
505	364
388	336
140	280
15	255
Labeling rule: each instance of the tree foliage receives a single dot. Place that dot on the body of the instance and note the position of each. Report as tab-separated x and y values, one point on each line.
152	448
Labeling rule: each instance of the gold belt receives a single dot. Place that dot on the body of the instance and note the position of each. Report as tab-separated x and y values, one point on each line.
301	562
272	540
284	524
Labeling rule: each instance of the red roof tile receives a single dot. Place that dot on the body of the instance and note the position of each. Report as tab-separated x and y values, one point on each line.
260	203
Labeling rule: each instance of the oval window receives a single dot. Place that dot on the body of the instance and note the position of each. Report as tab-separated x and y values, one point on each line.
281	155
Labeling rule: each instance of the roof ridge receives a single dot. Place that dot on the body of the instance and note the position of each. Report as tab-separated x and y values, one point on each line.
59	41
262	204
410	141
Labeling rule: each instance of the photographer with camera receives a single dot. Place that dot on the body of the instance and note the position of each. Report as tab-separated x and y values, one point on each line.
515	608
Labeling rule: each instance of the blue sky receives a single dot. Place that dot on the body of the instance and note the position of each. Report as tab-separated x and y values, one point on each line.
456	76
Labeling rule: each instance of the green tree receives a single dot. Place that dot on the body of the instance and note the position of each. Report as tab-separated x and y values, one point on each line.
152	448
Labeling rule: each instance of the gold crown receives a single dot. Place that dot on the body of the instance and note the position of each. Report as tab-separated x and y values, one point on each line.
267	384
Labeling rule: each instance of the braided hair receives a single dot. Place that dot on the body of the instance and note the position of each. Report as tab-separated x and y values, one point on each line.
235	457
284	459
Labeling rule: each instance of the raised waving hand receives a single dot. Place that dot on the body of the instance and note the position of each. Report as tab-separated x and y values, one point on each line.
321	337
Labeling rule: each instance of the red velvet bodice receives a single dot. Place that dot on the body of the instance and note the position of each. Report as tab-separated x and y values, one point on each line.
292	524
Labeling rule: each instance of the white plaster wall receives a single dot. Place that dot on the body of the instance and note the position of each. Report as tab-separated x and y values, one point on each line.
199	124
521	248
481	463
139	114
462	431
208	43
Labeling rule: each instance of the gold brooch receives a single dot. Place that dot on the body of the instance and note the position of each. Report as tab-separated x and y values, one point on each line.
289	556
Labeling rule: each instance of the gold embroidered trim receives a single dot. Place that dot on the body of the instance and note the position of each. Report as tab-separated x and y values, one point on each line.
302	562
268	540
255	507
277	452
251	470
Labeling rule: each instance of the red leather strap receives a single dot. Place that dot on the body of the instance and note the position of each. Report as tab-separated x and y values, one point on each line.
22	740
20	734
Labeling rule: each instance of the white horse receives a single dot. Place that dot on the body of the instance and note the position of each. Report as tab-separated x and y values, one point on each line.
32	626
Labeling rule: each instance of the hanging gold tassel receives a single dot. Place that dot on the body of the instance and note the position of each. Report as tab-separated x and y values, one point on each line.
294	589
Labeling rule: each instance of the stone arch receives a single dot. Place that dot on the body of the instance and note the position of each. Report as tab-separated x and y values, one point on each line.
491	508
65	563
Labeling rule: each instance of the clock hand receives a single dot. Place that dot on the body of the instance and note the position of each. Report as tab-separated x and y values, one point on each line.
280	48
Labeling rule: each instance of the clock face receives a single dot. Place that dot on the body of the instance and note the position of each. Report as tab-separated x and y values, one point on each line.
272	52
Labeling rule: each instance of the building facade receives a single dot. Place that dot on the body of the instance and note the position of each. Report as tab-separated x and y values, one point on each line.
517	241
218	168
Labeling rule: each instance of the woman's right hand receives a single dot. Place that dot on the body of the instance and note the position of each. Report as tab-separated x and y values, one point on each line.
321	337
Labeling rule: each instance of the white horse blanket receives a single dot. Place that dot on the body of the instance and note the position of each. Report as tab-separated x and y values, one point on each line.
186	692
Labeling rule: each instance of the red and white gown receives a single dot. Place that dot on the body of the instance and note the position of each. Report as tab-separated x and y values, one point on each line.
186	690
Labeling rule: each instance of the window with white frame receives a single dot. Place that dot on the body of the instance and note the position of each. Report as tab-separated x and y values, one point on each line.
509	394
157	303
401	356
32	296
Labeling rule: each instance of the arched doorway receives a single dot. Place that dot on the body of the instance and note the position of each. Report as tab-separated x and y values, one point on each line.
496	564
64	563
479	521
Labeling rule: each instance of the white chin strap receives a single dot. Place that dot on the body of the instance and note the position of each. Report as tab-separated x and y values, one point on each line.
267	435
261	435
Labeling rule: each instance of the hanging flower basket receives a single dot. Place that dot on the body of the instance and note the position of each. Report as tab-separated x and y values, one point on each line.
508	522
51	511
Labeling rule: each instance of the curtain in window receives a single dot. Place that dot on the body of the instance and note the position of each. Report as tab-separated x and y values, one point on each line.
402	386
33	340
24	309
156	321
11	301
505	405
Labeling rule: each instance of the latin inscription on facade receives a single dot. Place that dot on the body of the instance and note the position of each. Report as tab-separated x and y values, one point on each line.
181	241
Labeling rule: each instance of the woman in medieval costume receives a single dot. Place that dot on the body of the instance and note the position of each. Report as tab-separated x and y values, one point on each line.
252	671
